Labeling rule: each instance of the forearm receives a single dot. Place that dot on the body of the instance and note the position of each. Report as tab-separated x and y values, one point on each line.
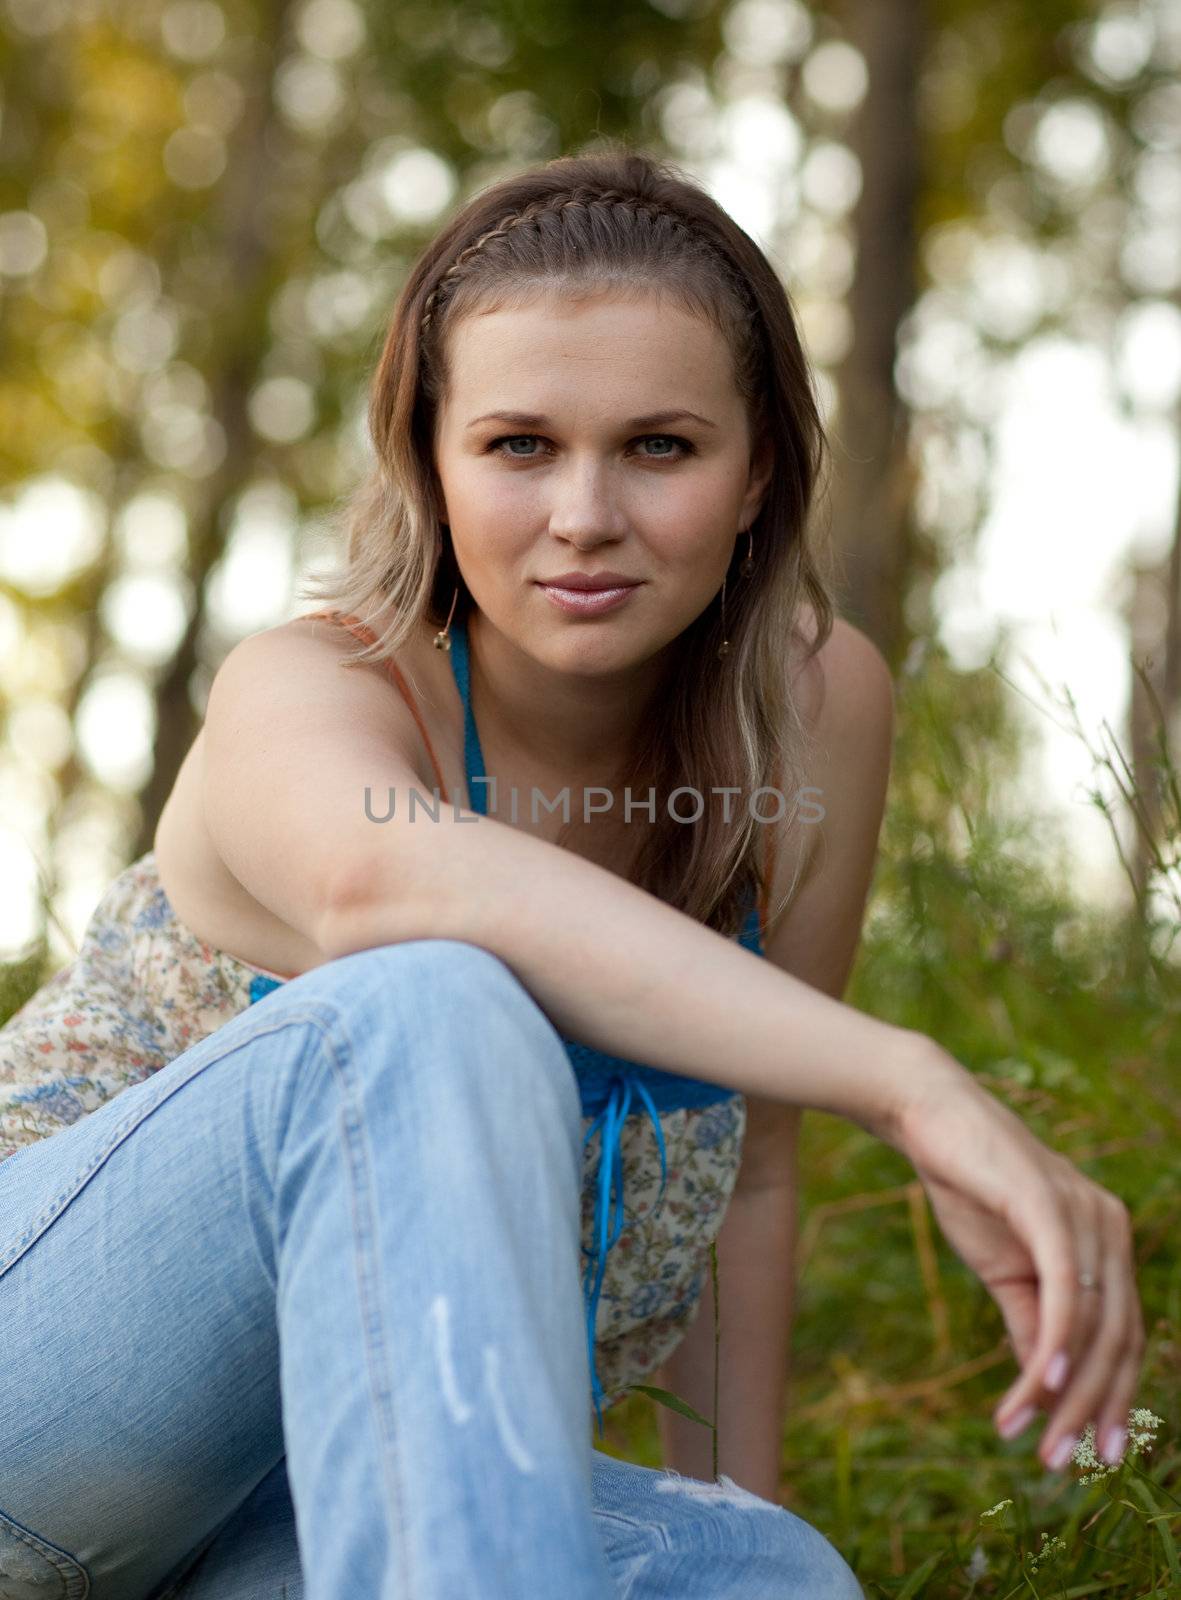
616	968
756	1282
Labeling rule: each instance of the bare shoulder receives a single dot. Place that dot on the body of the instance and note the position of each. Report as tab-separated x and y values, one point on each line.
300	694
309	639
310	631
846	685
282	662
285	703
845	694
311	663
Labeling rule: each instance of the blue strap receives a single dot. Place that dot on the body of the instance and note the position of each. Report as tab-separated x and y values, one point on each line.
260	985
473	756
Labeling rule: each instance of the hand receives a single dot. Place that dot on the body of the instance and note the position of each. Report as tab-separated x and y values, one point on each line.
1028	1222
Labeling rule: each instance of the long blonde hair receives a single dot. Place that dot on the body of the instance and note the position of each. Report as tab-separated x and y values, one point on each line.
622	219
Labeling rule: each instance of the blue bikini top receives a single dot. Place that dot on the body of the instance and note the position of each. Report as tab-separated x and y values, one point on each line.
610	1088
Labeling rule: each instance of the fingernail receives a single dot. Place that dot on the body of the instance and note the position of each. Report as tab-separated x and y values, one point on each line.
1063	1451
1056	1371
1017	1423
1113	1446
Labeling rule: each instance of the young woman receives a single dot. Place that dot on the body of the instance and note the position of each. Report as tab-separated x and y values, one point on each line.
386	1116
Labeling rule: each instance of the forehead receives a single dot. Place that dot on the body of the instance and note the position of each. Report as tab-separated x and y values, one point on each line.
645	352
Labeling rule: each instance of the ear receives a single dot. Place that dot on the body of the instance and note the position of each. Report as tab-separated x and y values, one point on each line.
762	466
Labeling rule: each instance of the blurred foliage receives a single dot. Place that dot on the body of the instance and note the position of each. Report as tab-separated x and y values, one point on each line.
21	979
987	56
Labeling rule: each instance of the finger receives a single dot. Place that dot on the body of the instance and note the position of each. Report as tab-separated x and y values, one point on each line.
1111	1415
1089	1387
1114	1418
1018	1307
1037	1216
1090	1227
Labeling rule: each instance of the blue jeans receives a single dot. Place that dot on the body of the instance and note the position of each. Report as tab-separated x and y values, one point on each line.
301	1313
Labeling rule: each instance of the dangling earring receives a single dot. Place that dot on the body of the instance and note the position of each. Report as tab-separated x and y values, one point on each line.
747	567
748	560
441	641
724	647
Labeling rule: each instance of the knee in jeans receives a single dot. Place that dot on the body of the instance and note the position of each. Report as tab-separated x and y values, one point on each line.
457	986
447	973
824	1572
769	1544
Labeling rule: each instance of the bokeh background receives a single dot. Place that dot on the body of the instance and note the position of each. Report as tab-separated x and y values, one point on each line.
206	210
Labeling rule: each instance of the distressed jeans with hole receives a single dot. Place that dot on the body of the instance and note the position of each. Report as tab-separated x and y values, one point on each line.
301	1315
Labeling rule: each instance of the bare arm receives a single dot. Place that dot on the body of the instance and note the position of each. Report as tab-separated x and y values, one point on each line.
292	741
616	968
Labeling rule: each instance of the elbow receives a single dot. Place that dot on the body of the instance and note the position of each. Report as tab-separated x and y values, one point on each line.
429	886
332	924
368	904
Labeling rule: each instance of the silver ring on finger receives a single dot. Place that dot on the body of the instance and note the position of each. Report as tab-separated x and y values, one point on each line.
1088	1280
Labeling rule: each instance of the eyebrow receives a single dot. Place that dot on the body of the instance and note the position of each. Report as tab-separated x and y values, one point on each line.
531	419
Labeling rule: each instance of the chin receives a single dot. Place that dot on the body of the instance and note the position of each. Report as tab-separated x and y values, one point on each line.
603	656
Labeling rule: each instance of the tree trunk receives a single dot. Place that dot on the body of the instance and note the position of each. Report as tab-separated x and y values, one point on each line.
241	324
872	476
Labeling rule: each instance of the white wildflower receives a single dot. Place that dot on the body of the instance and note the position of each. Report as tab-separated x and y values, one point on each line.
1085	1455
978	1565
1000	1505
1142	1426
1050	1548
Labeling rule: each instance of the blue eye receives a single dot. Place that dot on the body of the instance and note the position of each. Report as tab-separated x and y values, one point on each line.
683	447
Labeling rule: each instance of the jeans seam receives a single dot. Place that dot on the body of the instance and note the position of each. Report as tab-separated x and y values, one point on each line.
67	1567
367	1268
636	1523
128	1124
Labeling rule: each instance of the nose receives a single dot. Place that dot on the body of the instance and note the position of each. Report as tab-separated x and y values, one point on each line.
584	510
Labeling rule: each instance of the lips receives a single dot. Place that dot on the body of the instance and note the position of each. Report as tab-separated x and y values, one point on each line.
589	581
587	602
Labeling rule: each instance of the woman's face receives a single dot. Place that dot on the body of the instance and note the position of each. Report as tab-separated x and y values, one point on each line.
595	465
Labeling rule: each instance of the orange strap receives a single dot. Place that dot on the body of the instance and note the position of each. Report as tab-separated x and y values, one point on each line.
364	632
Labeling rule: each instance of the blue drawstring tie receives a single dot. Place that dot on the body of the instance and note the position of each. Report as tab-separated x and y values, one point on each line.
609	1199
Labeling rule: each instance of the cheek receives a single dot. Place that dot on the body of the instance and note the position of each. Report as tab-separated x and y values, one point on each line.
699	541
489	531
701	507
491	499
